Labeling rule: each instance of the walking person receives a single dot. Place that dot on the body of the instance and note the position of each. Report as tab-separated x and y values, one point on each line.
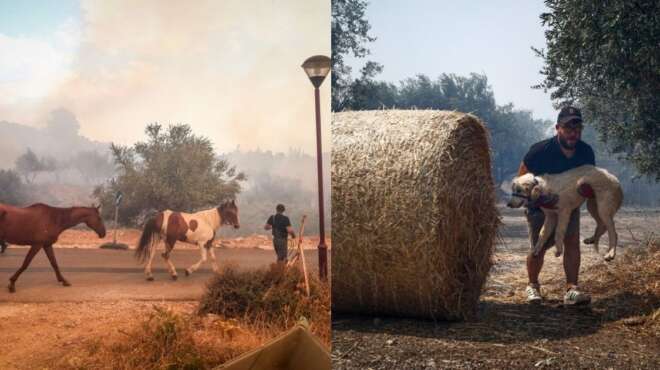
281	227
560	153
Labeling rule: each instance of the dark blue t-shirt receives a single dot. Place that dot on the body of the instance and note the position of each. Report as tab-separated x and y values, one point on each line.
546	157
279	222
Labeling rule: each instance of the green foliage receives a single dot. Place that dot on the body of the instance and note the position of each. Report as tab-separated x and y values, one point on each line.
605	56
11	188
350	31
173	169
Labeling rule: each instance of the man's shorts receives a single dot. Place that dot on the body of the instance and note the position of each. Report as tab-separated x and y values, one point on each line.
281	248
535	219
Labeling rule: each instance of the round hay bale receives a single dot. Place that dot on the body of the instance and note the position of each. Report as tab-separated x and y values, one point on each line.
413	213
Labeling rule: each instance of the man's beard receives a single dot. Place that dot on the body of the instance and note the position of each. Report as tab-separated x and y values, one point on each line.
564	144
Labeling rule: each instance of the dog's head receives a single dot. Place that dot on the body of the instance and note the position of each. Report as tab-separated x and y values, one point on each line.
524	189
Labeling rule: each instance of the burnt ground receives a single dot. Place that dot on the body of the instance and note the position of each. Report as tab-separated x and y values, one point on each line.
620	329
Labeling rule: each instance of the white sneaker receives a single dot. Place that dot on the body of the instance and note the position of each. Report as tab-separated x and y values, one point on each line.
533	294
575	297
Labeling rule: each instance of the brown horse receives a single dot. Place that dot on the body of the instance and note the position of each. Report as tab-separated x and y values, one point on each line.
39	226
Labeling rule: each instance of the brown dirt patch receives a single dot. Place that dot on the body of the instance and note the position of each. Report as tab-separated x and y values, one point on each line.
121	335
84	238
621	328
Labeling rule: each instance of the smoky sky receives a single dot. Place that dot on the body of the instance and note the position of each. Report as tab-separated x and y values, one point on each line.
230	69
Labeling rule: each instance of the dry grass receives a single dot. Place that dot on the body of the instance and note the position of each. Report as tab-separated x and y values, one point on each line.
631	284
239	312
619	330
414	217
270	300
165	340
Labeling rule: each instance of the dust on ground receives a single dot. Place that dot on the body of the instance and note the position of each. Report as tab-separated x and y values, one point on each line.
83	238
621	328
38	335
62	334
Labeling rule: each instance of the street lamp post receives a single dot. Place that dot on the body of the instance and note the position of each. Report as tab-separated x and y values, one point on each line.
317	68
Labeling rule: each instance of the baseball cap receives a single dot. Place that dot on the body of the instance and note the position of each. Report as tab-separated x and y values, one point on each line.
570	117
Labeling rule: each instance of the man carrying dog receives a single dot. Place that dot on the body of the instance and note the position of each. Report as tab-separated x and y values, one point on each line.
555	155
281	226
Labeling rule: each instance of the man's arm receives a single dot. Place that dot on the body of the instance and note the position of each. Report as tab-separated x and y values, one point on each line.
289	230
269	223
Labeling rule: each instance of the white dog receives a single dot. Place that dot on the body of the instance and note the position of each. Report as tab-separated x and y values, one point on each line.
607	201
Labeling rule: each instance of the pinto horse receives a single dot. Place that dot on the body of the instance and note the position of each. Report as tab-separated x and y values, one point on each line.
195	228
39	226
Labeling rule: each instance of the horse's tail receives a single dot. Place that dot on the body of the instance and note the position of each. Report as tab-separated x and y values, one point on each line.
150	234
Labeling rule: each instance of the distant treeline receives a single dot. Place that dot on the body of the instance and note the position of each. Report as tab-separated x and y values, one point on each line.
512	130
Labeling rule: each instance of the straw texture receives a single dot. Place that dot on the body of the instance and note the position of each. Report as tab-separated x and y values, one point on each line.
413	213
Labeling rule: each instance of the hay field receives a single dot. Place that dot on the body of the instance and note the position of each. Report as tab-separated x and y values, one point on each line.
621	329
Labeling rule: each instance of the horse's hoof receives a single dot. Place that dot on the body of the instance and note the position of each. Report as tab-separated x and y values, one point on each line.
588	241
187	272
12	289
557	254
174	277
65	283
150	278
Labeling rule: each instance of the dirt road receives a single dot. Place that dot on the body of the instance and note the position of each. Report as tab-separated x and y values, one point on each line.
99	274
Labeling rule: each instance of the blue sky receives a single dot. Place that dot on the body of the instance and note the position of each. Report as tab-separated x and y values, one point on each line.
35	17
490	37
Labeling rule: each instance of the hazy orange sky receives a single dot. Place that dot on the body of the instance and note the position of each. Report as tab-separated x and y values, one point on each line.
229	69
